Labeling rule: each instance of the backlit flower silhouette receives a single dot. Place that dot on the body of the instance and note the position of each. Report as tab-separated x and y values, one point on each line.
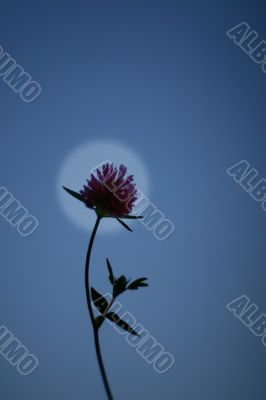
110	194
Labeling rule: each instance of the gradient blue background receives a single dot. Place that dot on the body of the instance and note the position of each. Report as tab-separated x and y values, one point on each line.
163	78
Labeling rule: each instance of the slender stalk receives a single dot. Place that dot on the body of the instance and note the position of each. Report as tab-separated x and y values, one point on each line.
95	329
101	365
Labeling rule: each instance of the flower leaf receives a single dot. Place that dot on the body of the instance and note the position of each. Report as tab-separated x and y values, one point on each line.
137	283
78	196
120	285
122	324
99	301
124	225
74	194
111	275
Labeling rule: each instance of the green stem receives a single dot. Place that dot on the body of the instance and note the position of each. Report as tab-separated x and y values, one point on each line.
95	329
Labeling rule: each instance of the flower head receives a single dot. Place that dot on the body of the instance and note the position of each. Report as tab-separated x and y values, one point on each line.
109	191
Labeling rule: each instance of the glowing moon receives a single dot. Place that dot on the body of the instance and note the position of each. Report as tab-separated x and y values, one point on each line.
76	169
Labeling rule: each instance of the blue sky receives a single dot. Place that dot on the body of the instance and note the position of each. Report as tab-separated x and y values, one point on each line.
163	79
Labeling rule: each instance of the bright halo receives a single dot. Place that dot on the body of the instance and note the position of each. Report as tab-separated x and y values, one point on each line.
76	169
